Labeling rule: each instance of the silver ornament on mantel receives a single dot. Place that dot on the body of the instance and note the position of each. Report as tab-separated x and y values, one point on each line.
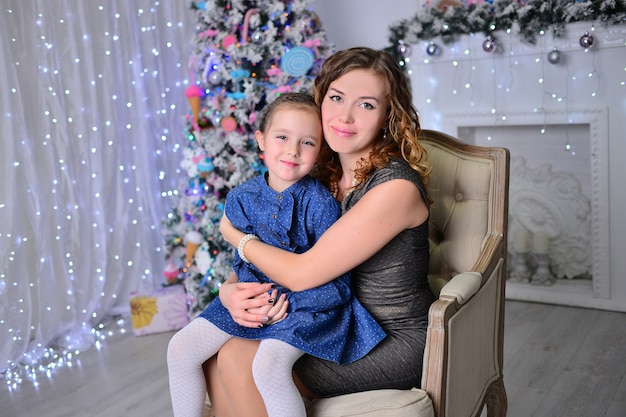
554	57
586	41
433	49
489	45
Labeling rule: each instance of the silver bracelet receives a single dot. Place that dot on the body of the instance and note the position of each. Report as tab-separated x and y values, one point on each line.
242	243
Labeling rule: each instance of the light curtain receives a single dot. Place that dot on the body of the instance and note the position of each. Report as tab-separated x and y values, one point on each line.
92	111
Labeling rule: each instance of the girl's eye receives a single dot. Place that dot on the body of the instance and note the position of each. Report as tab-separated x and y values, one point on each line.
281	137
308	142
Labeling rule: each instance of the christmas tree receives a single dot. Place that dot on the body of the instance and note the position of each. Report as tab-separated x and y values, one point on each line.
244	55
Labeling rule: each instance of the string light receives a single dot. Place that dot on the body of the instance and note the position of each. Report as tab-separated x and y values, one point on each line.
94	104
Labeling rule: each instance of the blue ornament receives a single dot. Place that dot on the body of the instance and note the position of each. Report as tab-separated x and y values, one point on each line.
297	61
433	49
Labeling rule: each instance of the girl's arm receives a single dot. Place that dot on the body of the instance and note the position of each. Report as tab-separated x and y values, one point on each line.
380	215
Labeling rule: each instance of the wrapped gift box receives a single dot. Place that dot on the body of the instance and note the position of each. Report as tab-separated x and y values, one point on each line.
159	310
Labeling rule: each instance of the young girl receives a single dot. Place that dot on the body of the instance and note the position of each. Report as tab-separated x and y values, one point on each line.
378	169
288	209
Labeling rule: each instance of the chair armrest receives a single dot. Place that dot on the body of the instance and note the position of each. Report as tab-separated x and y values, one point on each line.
465	327
462	287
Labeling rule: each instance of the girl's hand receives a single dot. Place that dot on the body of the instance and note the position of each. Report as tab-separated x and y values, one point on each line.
247	302
252	305
278	310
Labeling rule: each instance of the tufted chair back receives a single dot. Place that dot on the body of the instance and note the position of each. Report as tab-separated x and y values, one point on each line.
465	212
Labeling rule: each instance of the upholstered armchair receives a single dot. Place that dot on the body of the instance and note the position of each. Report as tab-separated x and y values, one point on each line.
468	235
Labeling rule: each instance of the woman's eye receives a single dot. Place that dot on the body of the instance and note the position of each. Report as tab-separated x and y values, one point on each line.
367	106
334	98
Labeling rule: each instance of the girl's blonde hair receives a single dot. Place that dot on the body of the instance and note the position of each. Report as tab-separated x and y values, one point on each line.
295	101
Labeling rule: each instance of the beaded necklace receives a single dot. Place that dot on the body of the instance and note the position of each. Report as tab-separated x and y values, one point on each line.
334	189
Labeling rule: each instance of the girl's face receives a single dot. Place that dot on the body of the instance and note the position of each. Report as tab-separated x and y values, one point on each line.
354	111
291	144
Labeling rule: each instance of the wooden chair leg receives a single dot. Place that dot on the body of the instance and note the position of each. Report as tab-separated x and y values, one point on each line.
496	400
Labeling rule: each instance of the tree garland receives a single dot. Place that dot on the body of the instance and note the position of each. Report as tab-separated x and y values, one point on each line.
528	18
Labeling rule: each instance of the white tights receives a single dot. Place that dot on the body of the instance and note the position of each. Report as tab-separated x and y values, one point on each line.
191	346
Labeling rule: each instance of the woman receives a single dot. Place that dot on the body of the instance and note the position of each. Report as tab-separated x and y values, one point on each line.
376	168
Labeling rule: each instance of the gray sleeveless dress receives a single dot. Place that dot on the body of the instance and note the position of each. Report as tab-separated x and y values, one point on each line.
393	287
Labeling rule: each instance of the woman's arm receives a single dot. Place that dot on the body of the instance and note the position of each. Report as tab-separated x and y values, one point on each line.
380	215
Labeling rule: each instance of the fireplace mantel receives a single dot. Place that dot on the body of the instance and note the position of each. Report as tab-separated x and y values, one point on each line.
465	90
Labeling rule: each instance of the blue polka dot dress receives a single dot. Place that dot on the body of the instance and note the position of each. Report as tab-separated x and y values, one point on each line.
326	321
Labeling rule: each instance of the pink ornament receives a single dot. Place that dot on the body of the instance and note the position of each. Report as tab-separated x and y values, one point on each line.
252	118
194	91
283	89
229	124
210	32
171	273
274	71
313	44
198	158
229	40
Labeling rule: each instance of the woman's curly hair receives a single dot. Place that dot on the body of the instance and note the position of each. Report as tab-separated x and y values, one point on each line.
398	140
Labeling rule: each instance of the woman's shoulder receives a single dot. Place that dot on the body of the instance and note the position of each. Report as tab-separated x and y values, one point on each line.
395	169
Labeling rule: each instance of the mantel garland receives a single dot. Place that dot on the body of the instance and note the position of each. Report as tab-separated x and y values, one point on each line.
527	18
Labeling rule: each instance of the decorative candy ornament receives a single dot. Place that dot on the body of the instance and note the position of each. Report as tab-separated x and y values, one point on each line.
554	57
246	25
489	45
171	273
433	49
194	95
586	41
297	61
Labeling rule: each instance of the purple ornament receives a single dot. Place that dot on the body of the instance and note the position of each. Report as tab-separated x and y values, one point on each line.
404	50
489	45
586	41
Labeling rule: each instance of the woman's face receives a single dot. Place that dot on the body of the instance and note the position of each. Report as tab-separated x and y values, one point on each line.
354	110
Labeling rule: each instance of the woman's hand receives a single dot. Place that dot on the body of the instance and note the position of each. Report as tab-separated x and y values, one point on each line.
229	232
252	304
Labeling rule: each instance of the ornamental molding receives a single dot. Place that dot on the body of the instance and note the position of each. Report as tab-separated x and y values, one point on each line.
597	119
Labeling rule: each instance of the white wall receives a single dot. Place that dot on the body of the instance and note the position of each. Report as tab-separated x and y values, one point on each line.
351	23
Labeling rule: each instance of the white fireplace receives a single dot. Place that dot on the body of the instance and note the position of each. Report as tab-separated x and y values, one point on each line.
564	121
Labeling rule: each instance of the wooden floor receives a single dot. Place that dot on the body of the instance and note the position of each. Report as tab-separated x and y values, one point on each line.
559	361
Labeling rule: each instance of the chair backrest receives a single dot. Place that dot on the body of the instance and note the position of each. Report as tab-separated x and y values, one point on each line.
468	228
469	187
